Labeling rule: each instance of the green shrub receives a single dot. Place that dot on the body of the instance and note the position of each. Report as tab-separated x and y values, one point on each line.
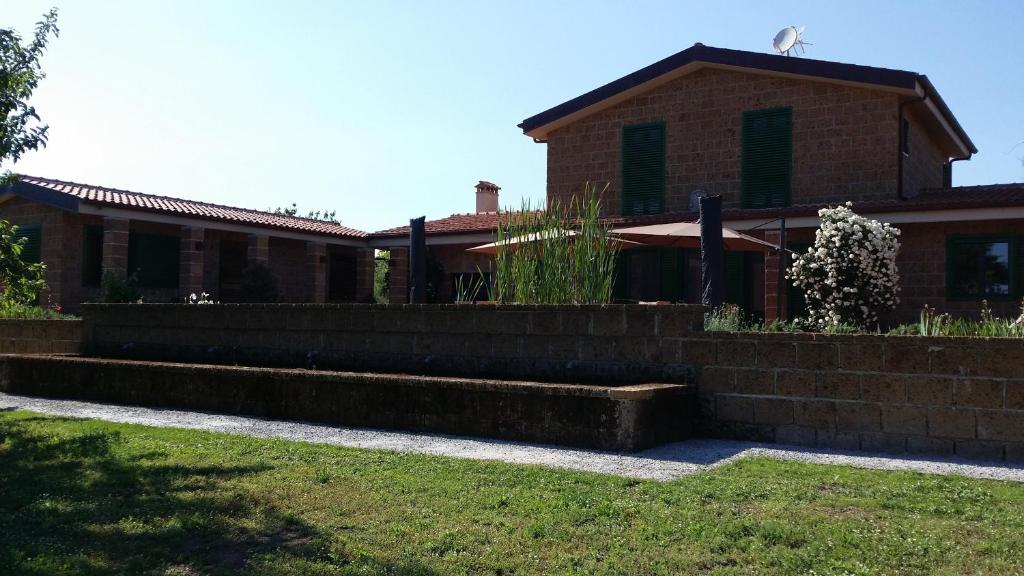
22	281
118	289
381	277
30	312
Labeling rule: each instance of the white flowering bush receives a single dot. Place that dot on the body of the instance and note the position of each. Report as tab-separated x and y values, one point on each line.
849	275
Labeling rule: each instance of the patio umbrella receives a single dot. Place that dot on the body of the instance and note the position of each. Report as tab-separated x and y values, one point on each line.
687	235
525	239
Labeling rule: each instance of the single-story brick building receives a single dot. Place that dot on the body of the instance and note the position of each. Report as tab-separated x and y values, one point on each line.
178	247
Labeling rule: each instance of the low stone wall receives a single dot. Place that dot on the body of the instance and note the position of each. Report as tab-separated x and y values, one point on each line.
40	336
609	418
962	396
613	344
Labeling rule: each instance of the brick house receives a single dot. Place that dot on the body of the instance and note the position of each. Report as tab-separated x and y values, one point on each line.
777	137
178	247
781	137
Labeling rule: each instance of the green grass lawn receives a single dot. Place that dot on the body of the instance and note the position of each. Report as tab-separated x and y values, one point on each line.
88	497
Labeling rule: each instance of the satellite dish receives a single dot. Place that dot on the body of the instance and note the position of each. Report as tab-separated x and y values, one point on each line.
789	39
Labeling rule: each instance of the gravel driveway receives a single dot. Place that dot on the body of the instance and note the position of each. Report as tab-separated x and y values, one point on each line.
664	463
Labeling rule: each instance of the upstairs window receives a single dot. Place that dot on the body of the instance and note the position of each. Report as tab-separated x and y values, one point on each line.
31	251
767	157
155	258
982	267
92	255
643	169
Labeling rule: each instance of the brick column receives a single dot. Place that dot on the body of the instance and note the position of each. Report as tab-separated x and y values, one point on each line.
316	264
398	276
259	248
772	294
364	275
115	246
192	247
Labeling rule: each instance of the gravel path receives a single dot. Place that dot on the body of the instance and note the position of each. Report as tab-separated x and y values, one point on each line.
663	463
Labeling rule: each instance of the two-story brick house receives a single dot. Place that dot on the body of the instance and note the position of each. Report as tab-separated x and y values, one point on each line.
781	137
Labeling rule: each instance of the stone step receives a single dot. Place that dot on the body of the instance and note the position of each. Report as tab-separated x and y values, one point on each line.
620	418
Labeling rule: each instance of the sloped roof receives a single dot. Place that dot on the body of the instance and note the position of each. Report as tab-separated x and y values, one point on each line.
103	196
699	54
454	224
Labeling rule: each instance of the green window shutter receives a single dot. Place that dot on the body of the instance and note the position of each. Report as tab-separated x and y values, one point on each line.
1019	267
155	258
92	255
31	251
767	158
643	169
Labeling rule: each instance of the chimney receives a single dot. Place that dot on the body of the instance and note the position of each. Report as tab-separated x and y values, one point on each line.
486	197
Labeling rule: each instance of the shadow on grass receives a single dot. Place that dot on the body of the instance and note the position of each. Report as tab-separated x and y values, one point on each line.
76	504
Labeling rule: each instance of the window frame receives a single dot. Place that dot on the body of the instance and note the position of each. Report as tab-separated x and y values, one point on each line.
664	164
1012	252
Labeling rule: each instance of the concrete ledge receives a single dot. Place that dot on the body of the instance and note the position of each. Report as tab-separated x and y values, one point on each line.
623	419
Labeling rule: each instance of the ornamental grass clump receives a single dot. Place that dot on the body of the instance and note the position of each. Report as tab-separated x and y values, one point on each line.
556	256
849	275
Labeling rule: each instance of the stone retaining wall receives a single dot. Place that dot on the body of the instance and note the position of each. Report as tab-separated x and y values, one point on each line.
962	396
622	418
614	344
40	336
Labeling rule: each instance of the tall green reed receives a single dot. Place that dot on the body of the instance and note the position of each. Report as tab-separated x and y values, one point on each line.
556	255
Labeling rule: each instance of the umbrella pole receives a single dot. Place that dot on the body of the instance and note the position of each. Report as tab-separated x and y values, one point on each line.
712	255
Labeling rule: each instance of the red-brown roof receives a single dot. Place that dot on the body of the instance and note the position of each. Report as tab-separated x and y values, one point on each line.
189	208
454	224
959	197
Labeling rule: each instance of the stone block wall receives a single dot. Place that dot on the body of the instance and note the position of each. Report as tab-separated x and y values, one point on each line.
40	336
612	344
962	396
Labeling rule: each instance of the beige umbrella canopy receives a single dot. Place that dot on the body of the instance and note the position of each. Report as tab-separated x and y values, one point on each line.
525	239
687	235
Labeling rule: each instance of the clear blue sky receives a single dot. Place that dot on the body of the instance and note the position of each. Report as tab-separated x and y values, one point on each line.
390	110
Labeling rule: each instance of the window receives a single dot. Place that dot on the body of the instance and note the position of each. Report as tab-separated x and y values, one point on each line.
92	255
31	251
982	267
767	157
643	169
155	258
905	137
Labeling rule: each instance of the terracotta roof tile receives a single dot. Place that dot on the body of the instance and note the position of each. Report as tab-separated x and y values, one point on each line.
178	206
454	224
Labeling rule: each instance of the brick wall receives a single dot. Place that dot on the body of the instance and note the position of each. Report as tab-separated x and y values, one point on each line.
922	266
845	139
612	344
962	396
924	166
40	336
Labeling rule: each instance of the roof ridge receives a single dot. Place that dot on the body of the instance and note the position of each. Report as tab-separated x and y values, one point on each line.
176	199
